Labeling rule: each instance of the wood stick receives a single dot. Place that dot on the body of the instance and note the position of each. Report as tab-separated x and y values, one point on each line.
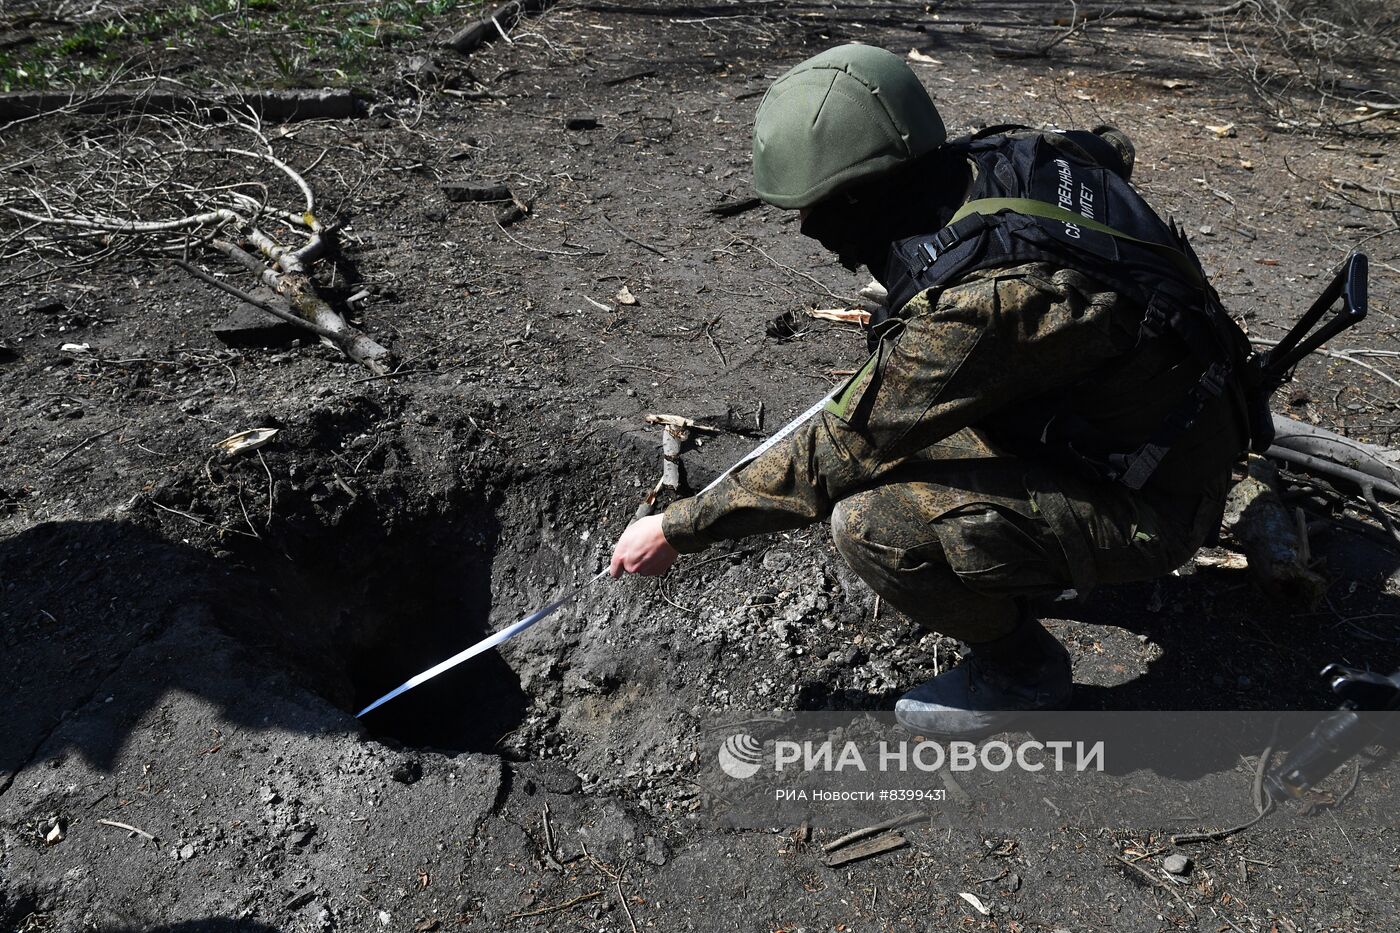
631	239
241	295
79	446
1155	882
299	293
678	421
556	907
129	828
892	823
1165	14
868	849
1307	463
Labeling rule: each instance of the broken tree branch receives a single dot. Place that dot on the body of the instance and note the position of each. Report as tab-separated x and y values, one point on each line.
676	431
106	198
868	848
493	25
892	823
1168	15
281	313
299	293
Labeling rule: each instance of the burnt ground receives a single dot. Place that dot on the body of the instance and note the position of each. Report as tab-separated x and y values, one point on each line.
186	637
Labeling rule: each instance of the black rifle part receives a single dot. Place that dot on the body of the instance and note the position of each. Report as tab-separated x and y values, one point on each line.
1342	734
1349	284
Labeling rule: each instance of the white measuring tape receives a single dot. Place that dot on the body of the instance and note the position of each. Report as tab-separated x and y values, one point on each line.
510	631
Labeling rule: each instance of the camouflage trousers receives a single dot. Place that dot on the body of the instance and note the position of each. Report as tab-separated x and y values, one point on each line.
960	539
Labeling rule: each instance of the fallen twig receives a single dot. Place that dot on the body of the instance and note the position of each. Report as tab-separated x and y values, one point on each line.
631	239
1263	805
841	315
868	849
1377	462
295	287
281	105
622	899
734	206
1168	15
893	823
129	828
556	907
241	295
494	25
676	431
1154	881
1329	470
81	444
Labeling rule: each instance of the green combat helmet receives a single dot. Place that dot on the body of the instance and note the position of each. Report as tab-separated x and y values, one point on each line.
840	117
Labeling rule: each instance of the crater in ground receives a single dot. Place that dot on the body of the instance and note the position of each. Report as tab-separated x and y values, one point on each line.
359	608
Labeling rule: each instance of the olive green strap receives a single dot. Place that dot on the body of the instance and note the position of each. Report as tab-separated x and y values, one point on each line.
839	403
1050	211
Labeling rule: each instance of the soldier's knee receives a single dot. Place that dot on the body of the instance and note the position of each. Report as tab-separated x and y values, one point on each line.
851	531
844	527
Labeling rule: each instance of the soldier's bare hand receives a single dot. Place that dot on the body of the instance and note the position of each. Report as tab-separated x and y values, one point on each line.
643	549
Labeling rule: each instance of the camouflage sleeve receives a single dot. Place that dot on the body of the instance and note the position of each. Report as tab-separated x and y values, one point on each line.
996	337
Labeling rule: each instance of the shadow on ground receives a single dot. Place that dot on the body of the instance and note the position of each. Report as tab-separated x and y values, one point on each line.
350	615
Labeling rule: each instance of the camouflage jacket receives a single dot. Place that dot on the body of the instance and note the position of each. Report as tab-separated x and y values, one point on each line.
975	355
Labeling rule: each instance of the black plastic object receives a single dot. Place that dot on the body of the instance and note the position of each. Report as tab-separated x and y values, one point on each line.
1342	734
1349	284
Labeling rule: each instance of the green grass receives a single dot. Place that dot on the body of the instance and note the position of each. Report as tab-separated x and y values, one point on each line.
253	41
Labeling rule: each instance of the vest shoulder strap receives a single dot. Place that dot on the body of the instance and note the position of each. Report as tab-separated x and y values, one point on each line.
1048	211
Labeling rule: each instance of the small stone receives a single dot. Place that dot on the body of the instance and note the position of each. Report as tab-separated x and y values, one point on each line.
776	560
1177	864
384	918
655	852
186	851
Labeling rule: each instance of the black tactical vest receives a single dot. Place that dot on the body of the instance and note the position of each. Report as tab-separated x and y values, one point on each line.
1044	198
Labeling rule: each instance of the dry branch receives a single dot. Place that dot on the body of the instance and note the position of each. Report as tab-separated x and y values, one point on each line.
147	189
494	25
297	290
1167	14
841	315
279	106
893	823
676	432
876	845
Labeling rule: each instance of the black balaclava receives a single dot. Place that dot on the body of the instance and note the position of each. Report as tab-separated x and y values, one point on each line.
861	223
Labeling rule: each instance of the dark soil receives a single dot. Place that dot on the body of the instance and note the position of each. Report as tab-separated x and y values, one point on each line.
186	637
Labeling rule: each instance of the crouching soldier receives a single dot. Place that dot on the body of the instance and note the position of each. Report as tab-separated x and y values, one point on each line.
1054	401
